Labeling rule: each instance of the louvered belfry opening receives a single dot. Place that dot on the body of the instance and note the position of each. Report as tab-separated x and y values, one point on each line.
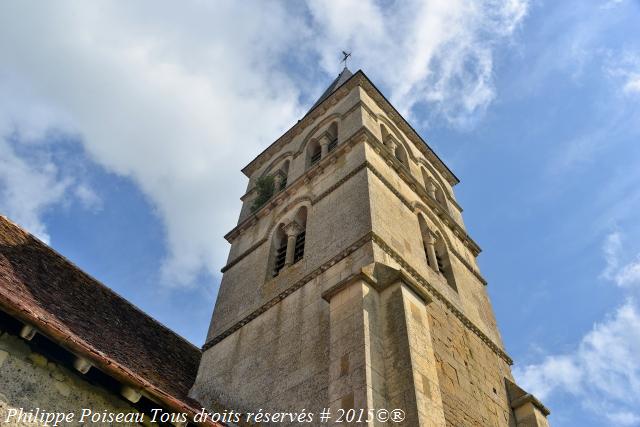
301	219
315	156
333	136
299	249
280	255
285	174
314	153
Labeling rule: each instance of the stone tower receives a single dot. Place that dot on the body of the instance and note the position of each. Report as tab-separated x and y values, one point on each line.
352	282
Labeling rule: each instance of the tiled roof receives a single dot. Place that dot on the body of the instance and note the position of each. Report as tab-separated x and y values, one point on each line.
42	288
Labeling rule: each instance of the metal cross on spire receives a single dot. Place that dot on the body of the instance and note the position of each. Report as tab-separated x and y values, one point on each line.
346	56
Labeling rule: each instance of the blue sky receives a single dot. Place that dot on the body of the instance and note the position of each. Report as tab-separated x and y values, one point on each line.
123	128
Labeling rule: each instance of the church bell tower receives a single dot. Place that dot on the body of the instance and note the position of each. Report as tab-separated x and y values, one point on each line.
352	282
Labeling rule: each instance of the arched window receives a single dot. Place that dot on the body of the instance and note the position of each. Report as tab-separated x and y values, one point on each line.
428	242
333	136
444	263
426	179
288	242
401	154
436	253
313	153
284	175
279	250
384	132
433	189
440	197
394	146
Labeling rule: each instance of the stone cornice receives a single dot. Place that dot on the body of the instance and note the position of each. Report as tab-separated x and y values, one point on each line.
417	187
243	254
344	283
302	124
300	151
330	190
313	202
455	203
464	262
529	398
418	160
363	134
366	135
297	285
435	206
368	237
518	397
325	193
368	275
291	188
248	193
407	129
338	183
358	79
434	292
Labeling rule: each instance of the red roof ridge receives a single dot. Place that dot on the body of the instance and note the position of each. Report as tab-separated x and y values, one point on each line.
97	281
42	288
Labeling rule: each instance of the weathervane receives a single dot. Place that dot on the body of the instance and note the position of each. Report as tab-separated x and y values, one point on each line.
346	56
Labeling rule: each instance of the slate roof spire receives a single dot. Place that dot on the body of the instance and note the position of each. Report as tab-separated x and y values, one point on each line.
342	78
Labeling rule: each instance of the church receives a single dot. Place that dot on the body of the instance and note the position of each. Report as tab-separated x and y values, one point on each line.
351	285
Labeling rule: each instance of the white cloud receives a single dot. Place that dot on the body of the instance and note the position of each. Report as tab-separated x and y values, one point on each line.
604	369
178	97
627	275
625	68
30	181
163	98
630	274
437	52
632	85
554	372
624	418
88	197
27	189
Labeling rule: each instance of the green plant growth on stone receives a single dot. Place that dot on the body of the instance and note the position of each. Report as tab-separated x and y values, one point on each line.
265	187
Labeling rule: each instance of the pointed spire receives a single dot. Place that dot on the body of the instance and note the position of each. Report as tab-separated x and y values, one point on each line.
344	75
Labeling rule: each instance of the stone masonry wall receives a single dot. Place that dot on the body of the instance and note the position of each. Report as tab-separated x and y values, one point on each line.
28	380
275	362
332	225
401	231
365	348
471	376
279	360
